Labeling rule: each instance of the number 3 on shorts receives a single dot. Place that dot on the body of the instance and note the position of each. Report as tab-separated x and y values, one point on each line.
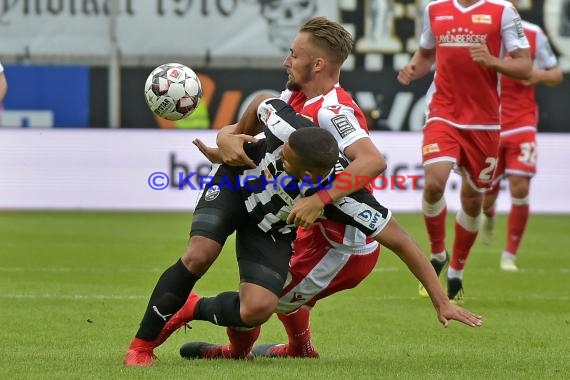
487	173
528	153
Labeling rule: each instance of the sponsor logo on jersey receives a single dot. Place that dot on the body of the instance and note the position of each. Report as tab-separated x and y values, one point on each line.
370	217
519	27
443	18
430	148
481	19
342	125
212	193
461	37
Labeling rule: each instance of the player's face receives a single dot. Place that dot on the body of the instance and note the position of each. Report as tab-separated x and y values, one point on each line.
291	162
298	63
293	165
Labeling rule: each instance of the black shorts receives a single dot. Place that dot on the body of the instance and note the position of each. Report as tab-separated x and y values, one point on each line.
263	259
220	208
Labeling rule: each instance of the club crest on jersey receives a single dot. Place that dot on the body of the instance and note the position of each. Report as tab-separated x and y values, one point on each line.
265	112
481	19
212	193
342	125
335	108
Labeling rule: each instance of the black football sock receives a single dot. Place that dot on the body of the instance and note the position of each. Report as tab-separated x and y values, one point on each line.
222	310
169	295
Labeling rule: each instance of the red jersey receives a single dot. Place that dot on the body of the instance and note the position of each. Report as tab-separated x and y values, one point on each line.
337	112
463	93
519	111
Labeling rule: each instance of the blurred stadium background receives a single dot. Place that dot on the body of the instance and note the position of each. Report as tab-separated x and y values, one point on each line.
77	69
76	135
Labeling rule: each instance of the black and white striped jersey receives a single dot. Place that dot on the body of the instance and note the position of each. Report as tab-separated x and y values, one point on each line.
269	192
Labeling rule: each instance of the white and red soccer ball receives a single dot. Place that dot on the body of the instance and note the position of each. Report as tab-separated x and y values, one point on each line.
172	91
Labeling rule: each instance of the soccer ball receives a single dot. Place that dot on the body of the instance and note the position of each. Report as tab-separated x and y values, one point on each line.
172	91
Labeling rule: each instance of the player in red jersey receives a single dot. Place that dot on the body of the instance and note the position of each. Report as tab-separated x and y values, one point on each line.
517	151
466	40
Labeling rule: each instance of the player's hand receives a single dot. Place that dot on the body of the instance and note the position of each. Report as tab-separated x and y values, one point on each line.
480	54
407	74
232	152
212	154
448	312
305	211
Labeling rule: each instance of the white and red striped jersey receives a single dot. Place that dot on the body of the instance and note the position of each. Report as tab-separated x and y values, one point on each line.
335	111
519	110
463	93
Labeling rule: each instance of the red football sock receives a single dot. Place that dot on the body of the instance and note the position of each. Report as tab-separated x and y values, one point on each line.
518	218
436	231
466	228
241	341
297	327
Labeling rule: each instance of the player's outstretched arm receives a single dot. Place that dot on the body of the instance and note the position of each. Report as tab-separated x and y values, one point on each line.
396	239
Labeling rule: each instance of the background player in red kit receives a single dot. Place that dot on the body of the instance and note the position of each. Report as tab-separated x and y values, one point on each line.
466	40
517	151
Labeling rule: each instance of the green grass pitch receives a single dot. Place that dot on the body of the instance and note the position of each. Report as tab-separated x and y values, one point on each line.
73	287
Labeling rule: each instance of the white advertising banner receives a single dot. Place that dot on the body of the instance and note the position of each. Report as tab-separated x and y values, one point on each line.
178	28
159	170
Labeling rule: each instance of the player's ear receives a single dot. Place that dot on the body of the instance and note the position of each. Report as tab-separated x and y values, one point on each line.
314	175
319	64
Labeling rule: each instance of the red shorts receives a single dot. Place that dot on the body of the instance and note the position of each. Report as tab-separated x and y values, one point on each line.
474	152
318	269
517	154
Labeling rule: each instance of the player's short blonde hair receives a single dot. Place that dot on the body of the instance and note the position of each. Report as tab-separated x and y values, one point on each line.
330	36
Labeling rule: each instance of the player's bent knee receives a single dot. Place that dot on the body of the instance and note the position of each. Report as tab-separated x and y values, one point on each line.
434	188
200	254
257	314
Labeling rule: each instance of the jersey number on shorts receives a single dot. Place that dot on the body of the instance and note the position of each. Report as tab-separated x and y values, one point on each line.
487	173
528	153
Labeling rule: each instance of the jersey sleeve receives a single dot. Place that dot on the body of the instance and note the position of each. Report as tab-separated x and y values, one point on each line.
341	121
512	30
427	39
286	95
280	120
545	57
